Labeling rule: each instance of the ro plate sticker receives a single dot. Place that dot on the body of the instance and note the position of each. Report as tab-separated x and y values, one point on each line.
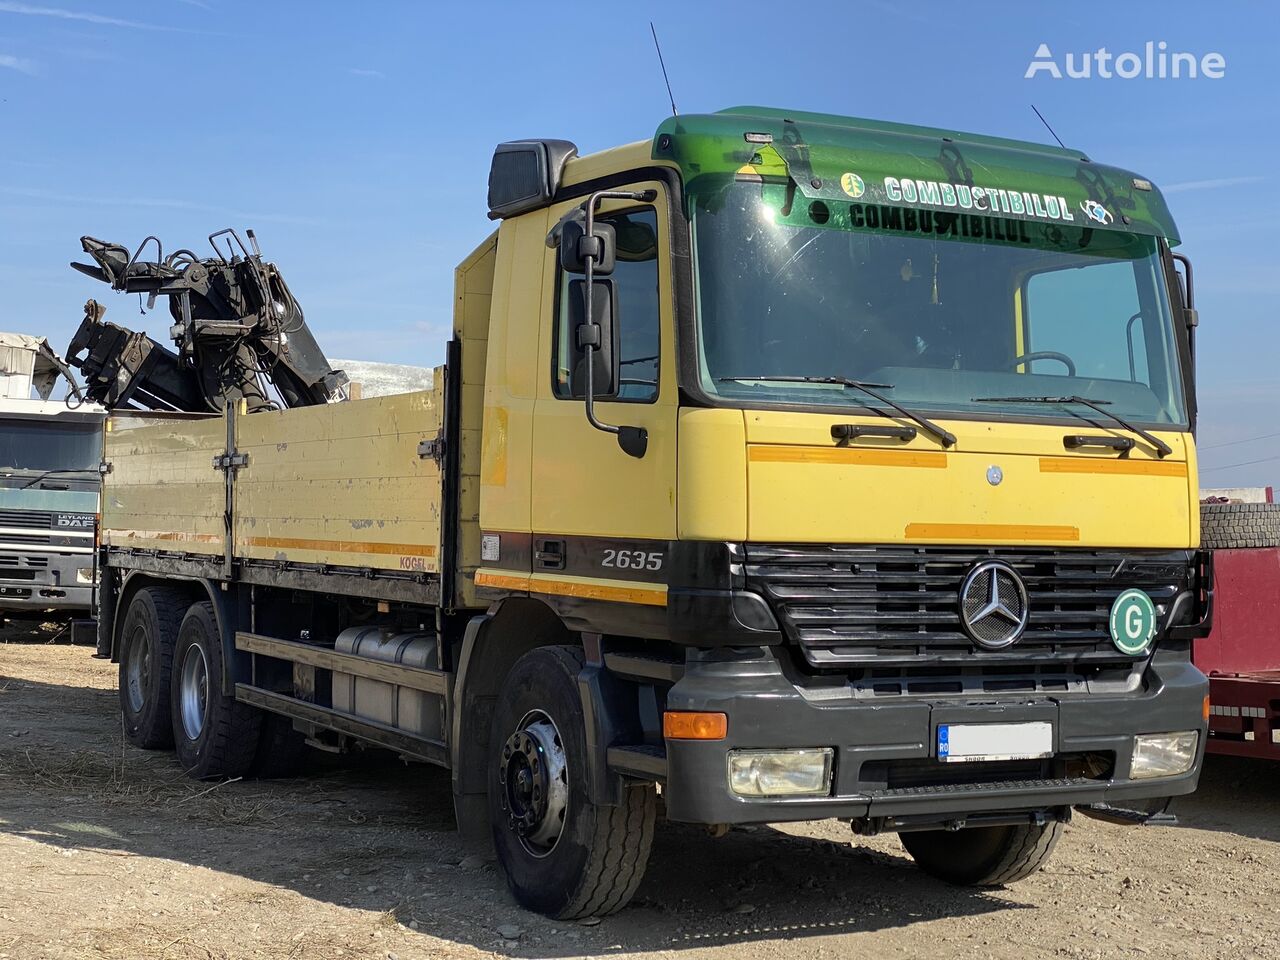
1133	621
944	742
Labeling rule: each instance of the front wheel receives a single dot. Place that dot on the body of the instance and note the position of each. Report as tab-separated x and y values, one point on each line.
562	855
213	734
983	856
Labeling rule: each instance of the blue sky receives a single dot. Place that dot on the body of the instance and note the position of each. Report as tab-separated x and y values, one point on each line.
355	138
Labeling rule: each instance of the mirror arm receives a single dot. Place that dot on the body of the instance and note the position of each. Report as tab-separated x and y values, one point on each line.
1190	316
1190	291
634	441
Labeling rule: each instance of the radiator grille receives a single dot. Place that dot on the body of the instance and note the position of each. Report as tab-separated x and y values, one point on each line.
41	539
867	605
29	519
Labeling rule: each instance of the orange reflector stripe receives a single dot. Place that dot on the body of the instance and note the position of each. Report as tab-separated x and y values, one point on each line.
981	532
688	725
1206	708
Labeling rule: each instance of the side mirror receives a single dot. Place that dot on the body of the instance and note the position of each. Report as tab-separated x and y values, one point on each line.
590	247
1190	316
600	333
576	246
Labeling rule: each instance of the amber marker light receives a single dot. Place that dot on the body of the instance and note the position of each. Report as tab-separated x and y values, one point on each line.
691	725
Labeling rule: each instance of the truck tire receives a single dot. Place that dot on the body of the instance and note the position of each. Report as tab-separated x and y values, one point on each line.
147	636
983	856
1232	526
562	855
213	734
282	750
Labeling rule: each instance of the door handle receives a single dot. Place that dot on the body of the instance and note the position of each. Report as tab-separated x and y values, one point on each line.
548	554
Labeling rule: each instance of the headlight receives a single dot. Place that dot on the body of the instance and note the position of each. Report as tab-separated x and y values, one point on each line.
84	575
1163	754
781	773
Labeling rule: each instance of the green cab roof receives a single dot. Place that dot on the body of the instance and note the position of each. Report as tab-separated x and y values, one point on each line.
846	159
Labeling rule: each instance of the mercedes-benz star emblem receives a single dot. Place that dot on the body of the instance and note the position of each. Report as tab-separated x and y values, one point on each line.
993	605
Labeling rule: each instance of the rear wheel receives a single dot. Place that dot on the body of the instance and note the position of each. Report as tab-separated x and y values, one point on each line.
562	855
282	751
214	735
983	856
147	637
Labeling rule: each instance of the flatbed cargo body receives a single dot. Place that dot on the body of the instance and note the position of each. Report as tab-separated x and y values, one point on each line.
334	486
789	486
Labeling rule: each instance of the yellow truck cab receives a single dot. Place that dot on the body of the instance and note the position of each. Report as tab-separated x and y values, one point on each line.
804	466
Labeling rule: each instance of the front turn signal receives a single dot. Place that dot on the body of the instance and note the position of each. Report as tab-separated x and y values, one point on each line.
691	725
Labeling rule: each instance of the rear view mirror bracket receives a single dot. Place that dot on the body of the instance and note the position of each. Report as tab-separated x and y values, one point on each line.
1190	316
595	247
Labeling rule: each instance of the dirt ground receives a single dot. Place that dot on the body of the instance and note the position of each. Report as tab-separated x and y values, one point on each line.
107	851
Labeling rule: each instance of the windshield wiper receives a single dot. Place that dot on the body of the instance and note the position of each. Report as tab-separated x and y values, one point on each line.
947	438
53	473
1162	448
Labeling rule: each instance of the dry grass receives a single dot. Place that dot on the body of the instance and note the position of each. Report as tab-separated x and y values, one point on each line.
30	632
92	775
398	916
120	774
131	778
152	940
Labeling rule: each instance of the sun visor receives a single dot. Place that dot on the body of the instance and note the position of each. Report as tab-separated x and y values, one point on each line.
841	159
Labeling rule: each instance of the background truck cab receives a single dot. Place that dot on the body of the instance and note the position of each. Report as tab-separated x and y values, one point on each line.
49	483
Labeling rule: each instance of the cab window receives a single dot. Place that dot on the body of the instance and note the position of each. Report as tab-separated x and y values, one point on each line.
1092	316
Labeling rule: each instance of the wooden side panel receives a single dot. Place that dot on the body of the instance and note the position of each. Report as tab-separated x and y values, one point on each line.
342	484
473	297
162	492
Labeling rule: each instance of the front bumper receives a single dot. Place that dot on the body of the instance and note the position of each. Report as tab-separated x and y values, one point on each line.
32	584
879	742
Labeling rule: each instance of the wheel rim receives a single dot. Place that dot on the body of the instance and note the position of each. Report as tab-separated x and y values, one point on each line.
534	779
137	672
193	692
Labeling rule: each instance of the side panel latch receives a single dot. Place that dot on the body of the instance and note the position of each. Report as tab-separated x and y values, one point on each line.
230	461
432	450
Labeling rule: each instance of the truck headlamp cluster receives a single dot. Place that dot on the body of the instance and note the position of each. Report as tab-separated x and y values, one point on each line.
1163	754
781	773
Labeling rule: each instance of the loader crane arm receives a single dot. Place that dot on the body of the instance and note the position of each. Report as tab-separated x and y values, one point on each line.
237	328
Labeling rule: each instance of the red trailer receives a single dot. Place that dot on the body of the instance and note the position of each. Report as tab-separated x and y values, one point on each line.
1242	654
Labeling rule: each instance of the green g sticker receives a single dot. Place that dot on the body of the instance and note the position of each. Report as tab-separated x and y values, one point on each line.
1133	621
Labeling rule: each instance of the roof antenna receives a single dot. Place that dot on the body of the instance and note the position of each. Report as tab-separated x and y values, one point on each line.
1049	128
662	63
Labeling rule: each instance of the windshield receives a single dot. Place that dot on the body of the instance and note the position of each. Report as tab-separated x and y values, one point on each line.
47	445
948	313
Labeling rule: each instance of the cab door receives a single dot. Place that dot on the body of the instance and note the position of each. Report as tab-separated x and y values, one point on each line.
610	514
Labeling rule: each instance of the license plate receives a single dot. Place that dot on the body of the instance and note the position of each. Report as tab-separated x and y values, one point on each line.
967	742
